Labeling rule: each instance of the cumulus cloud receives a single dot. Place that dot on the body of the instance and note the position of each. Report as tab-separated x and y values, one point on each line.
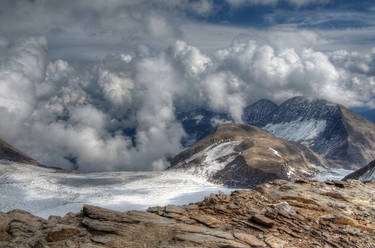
120	113
103	95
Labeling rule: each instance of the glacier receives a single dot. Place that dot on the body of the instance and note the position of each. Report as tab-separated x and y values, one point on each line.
44	192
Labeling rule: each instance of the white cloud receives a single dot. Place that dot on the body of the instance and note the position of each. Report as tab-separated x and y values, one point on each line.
60	113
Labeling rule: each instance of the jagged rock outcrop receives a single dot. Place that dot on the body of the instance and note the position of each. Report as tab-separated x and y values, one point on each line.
365	174
244	156
8	152
279	214
341	136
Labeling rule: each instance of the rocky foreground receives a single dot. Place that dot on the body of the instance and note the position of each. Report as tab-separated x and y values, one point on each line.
276	214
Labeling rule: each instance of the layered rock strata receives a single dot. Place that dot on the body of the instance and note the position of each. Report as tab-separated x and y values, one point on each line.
275	215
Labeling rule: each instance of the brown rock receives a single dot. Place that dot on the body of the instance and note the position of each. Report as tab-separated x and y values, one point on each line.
4	223
208	241
250	239
102	226
206	220
62	232
183	228
300	199
174	209
339	184
262	220
340	219
275	242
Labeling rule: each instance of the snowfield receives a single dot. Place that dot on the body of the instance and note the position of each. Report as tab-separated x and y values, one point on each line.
325	174
43	192
298	130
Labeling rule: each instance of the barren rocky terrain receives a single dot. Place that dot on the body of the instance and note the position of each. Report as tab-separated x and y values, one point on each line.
242	155
276	214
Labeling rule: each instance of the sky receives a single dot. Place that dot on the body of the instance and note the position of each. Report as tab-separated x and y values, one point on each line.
75	75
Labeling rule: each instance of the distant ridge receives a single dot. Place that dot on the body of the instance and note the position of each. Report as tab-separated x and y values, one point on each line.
365	174
333	131
8	152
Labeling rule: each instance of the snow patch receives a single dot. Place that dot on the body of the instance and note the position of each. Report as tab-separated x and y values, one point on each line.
275	152
198	118
369	176
298	130
216	122
327	174
210	165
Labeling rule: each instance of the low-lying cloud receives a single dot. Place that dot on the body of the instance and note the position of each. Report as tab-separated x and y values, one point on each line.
65	115
98	85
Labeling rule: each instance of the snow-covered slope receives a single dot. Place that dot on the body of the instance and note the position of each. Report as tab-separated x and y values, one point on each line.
46	192
365	174
344	138
300	131
244	155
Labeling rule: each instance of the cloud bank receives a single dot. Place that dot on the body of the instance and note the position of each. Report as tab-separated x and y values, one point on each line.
97	86
65	116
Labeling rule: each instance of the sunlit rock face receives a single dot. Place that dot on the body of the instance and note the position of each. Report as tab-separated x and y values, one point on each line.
341	136
244	155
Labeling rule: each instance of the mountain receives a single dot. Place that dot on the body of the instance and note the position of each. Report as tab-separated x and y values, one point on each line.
257	113
8	152
365	174
242	155
198	123
341	136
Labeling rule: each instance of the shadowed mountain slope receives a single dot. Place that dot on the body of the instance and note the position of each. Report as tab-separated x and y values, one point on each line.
8	152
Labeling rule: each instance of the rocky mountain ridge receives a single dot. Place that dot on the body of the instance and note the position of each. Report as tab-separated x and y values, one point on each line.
8	152
278	214
241	155
341	136
365	174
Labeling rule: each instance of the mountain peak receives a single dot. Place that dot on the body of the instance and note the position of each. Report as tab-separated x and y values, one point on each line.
256	113
245	155
331	130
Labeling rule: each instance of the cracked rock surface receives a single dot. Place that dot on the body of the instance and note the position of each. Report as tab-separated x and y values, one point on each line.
276	214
